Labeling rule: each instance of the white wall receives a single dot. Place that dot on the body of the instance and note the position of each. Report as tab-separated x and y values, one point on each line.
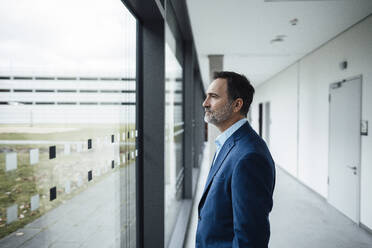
283	128
312	76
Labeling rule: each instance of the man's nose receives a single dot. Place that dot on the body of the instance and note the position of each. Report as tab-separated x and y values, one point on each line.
205	103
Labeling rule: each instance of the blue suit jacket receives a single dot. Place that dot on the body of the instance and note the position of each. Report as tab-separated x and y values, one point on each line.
237	199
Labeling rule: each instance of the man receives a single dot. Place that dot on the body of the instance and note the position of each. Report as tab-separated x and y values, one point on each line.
237	199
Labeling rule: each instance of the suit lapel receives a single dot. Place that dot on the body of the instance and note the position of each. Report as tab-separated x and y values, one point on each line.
229	144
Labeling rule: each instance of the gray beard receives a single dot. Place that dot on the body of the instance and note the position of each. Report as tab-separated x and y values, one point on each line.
218	116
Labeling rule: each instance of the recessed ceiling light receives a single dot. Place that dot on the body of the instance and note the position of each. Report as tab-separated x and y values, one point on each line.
278	38
293	22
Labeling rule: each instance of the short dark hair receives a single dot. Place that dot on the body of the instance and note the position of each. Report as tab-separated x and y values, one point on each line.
238	86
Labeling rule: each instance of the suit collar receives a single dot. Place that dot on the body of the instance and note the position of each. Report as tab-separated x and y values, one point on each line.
229	144
242	131
221	139
225	150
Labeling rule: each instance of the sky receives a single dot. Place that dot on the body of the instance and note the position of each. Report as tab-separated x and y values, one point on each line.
70	37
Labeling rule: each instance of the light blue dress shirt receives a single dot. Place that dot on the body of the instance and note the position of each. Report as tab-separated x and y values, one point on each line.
221	139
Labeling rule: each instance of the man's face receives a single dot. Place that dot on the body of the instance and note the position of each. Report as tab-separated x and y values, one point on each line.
217	106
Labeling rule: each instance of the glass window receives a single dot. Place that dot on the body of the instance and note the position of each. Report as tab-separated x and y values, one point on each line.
67	124
174	131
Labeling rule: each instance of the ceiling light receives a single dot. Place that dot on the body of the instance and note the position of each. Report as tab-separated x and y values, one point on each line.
278	38
293	22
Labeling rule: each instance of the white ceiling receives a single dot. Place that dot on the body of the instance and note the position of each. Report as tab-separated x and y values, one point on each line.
241	30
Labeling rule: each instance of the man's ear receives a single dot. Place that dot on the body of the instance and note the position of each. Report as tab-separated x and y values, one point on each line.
238	104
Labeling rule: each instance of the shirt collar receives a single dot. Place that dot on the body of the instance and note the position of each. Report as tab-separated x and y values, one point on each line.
221	139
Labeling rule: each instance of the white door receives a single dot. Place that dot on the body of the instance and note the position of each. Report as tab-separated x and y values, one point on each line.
344	146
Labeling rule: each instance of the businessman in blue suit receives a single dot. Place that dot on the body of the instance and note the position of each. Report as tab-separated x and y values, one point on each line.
237	199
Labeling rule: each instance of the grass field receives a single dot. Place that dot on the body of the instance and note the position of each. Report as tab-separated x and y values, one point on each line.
19	185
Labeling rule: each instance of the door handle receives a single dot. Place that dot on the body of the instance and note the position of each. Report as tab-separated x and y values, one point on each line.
354	168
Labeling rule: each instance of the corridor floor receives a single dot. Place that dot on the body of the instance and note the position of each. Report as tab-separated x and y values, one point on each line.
300	218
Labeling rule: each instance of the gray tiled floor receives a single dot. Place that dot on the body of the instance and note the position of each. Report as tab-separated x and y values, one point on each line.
300	218
94	218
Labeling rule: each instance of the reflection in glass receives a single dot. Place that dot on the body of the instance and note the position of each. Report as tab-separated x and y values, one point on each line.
174	130
67	103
